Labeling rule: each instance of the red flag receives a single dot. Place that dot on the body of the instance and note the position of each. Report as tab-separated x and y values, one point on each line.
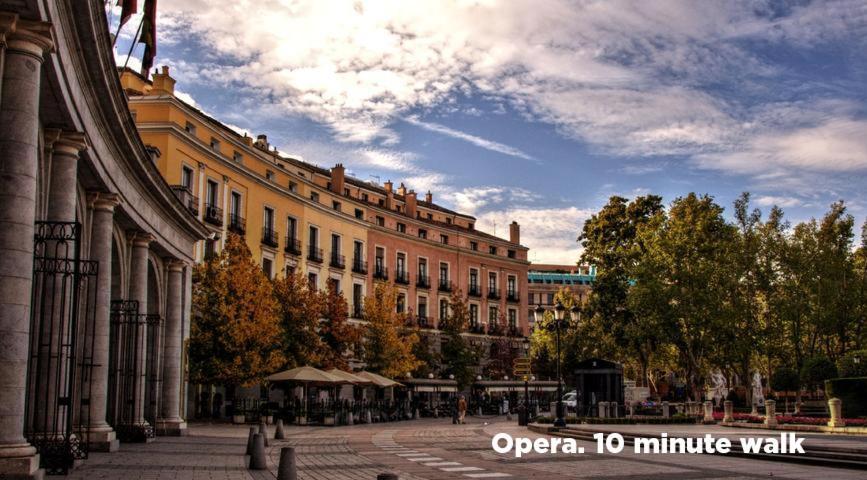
149	36
127	8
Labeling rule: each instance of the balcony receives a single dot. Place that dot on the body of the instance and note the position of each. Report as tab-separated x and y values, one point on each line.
493	293
213	215
445	286
380	272
474	290
512	297
314	254
477	328
514	331
293	246
337	261
495	329
357	311
423	321
269	237
359	266
237	224
186	197
422	281
401	277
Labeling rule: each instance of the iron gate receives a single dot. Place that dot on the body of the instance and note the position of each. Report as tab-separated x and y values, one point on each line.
57	410
153	387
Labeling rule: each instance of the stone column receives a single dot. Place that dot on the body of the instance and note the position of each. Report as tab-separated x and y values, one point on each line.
729	411
708	412
19	158
102	437
171	421
138	291
835	407
770	413
666	410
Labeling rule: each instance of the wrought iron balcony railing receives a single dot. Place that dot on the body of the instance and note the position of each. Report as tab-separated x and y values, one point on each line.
213	215
445	285
422	321
422	281
493	293
237	224
380	272
269	237
359	266
293	246
474	290
186	197
314	254
512	297
401	277
337	261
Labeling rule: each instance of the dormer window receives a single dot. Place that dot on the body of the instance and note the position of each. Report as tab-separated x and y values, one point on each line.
215	144
237	157
269	175
190	128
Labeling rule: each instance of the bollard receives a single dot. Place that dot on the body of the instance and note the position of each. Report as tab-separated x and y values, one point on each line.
729	411
415	414
666	410
770	413
253	431
387	476
288	468
835	406
368	418
480	410
263	429
257	458
279	434
708	412
350	419
755	410
602	409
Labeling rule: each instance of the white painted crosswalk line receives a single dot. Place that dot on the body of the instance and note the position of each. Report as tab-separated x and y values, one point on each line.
461	469
487	475
441	464
413	454
423	459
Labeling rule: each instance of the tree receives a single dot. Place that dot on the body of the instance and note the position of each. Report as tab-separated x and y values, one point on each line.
816	370
429	361
235	336
300	308
339	337
459	358
388	342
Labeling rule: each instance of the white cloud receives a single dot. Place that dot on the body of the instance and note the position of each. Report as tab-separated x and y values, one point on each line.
475	140
550	233
771	200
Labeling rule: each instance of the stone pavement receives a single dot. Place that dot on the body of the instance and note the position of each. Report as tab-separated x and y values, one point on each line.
418	450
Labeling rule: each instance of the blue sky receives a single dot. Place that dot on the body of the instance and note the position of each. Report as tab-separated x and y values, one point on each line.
538	111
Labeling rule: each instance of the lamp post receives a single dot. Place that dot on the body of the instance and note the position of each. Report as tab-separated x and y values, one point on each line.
559	323
526	345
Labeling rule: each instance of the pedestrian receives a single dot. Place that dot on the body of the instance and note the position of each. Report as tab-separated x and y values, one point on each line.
462	409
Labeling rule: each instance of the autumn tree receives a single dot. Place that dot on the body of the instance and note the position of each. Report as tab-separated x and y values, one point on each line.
300	308
235	336
459	357
339	337
388	342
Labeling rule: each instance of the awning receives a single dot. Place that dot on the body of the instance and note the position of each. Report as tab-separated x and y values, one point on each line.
306	374
350	377
378	380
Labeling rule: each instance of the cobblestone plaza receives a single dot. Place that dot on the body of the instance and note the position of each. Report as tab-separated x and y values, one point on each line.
423	449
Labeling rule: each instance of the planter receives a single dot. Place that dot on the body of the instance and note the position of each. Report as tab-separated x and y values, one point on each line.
239	419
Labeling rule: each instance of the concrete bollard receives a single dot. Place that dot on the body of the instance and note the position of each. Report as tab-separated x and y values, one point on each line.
279	434
797	408
253	431
415	414
835	406
288	469
729	407
666	410
350	419
602	409
387	476
770	413
368	418
755	410
257	458
708	412
480	411
263	429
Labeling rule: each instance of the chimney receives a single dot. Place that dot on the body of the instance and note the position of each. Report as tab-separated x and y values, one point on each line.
401	190
262	142
338	178
411	203
248	141
428	197
515	233
389	195
163	82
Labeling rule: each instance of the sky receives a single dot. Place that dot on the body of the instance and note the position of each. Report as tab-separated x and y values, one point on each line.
539	110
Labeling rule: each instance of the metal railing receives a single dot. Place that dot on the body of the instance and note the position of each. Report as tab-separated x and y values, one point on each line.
237	224
401	277
337	261
186	197
269	237
474	290
422	281
512	296
493	293
213	215
445	285
293	246
359	266
314	254
380	272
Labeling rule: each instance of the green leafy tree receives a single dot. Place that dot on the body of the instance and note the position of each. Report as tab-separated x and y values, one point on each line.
338	335
300	308
458	356
235	336
388	342
816	370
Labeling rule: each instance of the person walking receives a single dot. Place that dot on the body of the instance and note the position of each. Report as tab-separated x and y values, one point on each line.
462	409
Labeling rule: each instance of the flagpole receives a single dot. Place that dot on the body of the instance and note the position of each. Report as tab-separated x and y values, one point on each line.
134	42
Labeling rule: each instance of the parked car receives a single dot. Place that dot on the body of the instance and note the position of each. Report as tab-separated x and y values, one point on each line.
570	400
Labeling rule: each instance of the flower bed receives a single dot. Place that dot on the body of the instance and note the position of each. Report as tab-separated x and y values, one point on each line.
789	419
677	419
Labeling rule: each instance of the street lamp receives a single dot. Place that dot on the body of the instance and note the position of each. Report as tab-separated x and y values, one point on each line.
559	323
525	344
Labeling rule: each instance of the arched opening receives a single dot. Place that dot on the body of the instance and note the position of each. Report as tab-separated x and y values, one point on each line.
153	363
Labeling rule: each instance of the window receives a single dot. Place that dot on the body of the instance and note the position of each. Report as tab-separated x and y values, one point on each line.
511	287
215	144
346	192
444	239
449	220
291	229
474	315
364	197
190	128
380	221
293	187
357	300
471	226
474	246
444	273
422	307
379	260
335	244
422	233
334	284
314	196
236	206
381	202
401	264
492	250
401	227
401	303
290	270
336	205
430	216
213	193
444	309
187	177
550	299
492	281
513	318
210	248
422	268
269	175
268	220
266	266
474	281
359	213
511	253
237	157
493	312
312	281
